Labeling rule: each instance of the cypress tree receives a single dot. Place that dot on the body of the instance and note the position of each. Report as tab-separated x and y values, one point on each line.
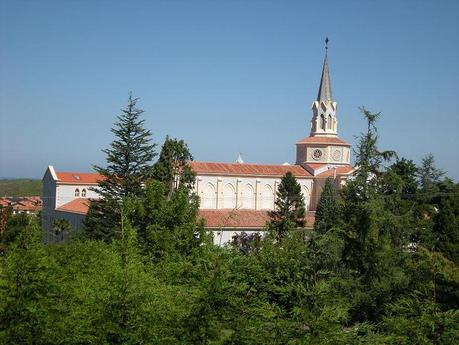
328	210
128	164
289	206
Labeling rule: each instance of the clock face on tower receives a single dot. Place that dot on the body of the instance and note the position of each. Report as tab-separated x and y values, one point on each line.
317	154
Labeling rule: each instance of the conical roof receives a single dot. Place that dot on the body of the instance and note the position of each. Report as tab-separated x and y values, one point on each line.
325	92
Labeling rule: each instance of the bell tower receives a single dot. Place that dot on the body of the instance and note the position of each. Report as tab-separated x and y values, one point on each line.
323	148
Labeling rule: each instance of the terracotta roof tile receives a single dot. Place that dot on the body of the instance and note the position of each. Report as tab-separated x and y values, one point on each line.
80	205
25	203
79	178
344	170
241	218
340	170
226	218
247	169
323	140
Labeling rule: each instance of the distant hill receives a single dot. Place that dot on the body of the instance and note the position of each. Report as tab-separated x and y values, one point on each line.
20	187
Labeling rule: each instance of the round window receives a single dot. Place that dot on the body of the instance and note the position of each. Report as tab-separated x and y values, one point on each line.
337	155
317	154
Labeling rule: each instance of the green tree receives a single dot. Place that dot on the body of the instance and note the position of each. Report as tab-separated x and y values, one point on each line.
446	224
289	212
407	171
128	164
172	167
328	212
27	289
167	227
15	224
368	158
373	249
429	175
205	324
60	226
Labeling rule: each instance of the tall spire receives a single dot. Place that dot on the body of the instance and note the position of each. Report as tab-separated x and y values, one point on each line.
325	93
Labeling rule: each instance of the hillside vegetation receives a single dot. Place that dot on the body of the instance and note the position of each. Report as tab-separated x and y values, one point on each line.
19	187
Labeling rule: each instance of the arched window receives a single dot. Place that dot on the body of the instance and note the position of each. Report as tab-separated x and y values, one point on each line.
248	197
330	121
322	122
267	198
77	193
229	196
306	196
208	197
83	193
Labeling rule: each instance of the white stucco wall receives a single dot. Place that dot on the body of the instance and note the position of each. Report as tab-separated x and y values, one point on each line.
243	192
66	193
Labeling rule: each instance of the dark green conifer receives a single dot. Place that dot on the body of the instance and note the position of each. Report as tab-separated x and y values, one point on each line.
128	164
289	212
407	171
328	210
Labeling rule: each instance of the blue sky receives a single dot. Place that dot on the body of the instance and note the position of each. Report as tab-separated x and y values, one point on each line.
226	76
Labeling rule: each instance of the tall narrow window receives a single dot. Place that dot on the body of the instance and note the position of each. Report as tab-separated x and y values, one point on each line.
77	192
83	193
330	121
322	122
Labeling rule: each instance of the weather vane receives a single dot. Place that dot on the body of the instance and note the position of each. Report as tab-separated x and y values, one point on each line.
326	43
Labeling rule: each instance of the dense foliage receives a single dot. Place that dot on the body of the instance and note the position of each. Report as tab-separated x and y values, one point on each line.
172	167
384	271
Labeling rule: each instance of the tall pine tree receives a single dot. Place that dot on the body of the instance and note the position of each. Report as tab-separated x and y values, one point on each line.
128	164
328	210
368	158
289	212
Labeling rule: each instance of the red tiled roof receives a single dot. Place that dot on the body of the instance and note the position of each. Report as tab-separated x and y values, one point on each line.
247	169
79	178
241	218
340	170
323	140
344	170
80	205
26	203
226	218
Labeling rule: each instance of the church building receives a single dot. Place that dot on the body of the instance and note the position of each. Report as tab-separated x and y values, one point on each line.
234	197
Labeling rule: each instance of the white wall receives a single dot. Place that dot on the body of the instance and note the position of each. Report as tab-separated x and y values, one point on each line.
66	193
229	192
